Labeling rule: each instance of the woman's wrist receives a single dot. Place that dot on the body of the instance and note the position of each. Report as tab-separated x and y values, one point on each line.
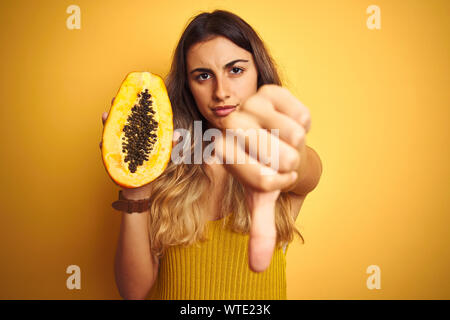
133	194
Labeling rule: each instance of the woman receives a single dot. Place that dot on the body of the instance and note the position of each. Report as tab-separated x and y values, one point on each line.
192	242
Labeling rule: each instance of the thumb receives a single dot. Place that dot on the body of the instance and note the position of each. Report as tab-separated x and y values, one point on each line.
104	117
263	232
175	137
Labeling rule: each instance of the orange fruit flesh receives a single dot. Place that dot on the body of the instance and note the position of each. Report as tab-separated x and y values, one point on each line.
112	152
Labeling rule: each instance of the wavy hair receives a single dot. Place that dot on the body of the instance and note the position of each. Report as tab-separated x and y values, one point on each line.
178	196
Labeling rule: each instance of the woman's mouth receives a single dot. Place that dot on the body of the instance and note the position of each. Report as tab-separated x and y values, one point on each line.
223	111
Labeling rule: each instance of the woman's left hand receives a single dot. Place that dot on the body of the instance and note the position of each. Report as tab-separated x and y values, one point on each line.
270	160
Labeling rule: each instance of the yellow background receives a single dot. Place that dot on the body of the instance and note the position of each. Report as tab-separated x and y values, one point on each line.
379	101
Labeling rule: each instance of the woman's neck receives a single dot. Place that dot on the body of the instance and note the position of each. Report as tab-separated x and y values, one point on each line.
216	172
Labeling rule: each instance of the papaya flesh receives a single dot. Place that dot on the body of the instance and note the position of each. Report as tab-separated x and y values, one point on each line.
137	135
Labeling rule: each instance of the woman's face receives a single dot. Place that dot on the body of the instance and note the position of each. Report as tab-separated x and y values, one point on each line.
220	74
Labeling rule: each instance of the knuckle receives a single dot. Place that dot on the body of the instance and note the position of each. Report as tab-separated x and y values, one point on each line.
293	160
298	115
249	103
307	123
306	116
298	136
266	182
284	90
290	161
264	88
267	88
257	103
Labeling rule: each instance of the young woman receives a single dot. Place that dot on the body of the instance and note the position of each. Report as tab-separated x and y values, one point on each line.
200	237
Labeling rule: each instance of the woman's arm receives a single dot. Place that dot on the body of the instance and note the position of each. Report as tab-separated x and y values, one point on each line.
309	172
135	268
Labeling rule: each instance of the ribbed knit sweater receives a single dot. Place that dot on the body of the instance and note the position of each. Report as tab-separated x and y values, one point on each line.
218	269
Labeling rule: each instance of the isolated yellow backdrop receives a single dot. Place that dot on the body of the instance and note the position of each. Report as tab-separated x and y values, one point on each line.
379	101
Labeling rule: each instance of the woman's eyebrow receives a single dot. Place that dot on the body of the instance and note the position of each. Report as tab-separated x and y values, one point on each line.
229	64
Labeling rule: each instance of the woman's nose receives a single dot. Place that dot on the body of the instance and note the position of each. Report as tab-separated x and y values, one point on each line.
221	92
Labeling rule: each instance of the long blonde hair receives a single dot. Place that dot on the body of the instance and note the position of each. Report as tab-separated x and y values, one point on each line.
178	196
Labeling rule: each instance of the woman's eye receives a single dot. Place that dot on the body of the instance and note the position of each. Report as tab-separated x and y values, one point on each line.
236	70
202	76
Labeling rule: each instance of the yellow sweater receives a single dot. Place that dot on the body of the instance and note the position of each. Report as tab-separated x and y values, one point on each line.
218	269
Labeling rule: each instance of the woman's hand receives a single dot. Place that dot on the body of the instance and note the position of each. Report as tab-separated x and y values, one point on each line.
274	163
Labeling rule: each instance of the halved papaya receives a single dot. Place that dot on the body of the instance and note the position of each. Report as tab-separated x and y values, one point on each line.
137	135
